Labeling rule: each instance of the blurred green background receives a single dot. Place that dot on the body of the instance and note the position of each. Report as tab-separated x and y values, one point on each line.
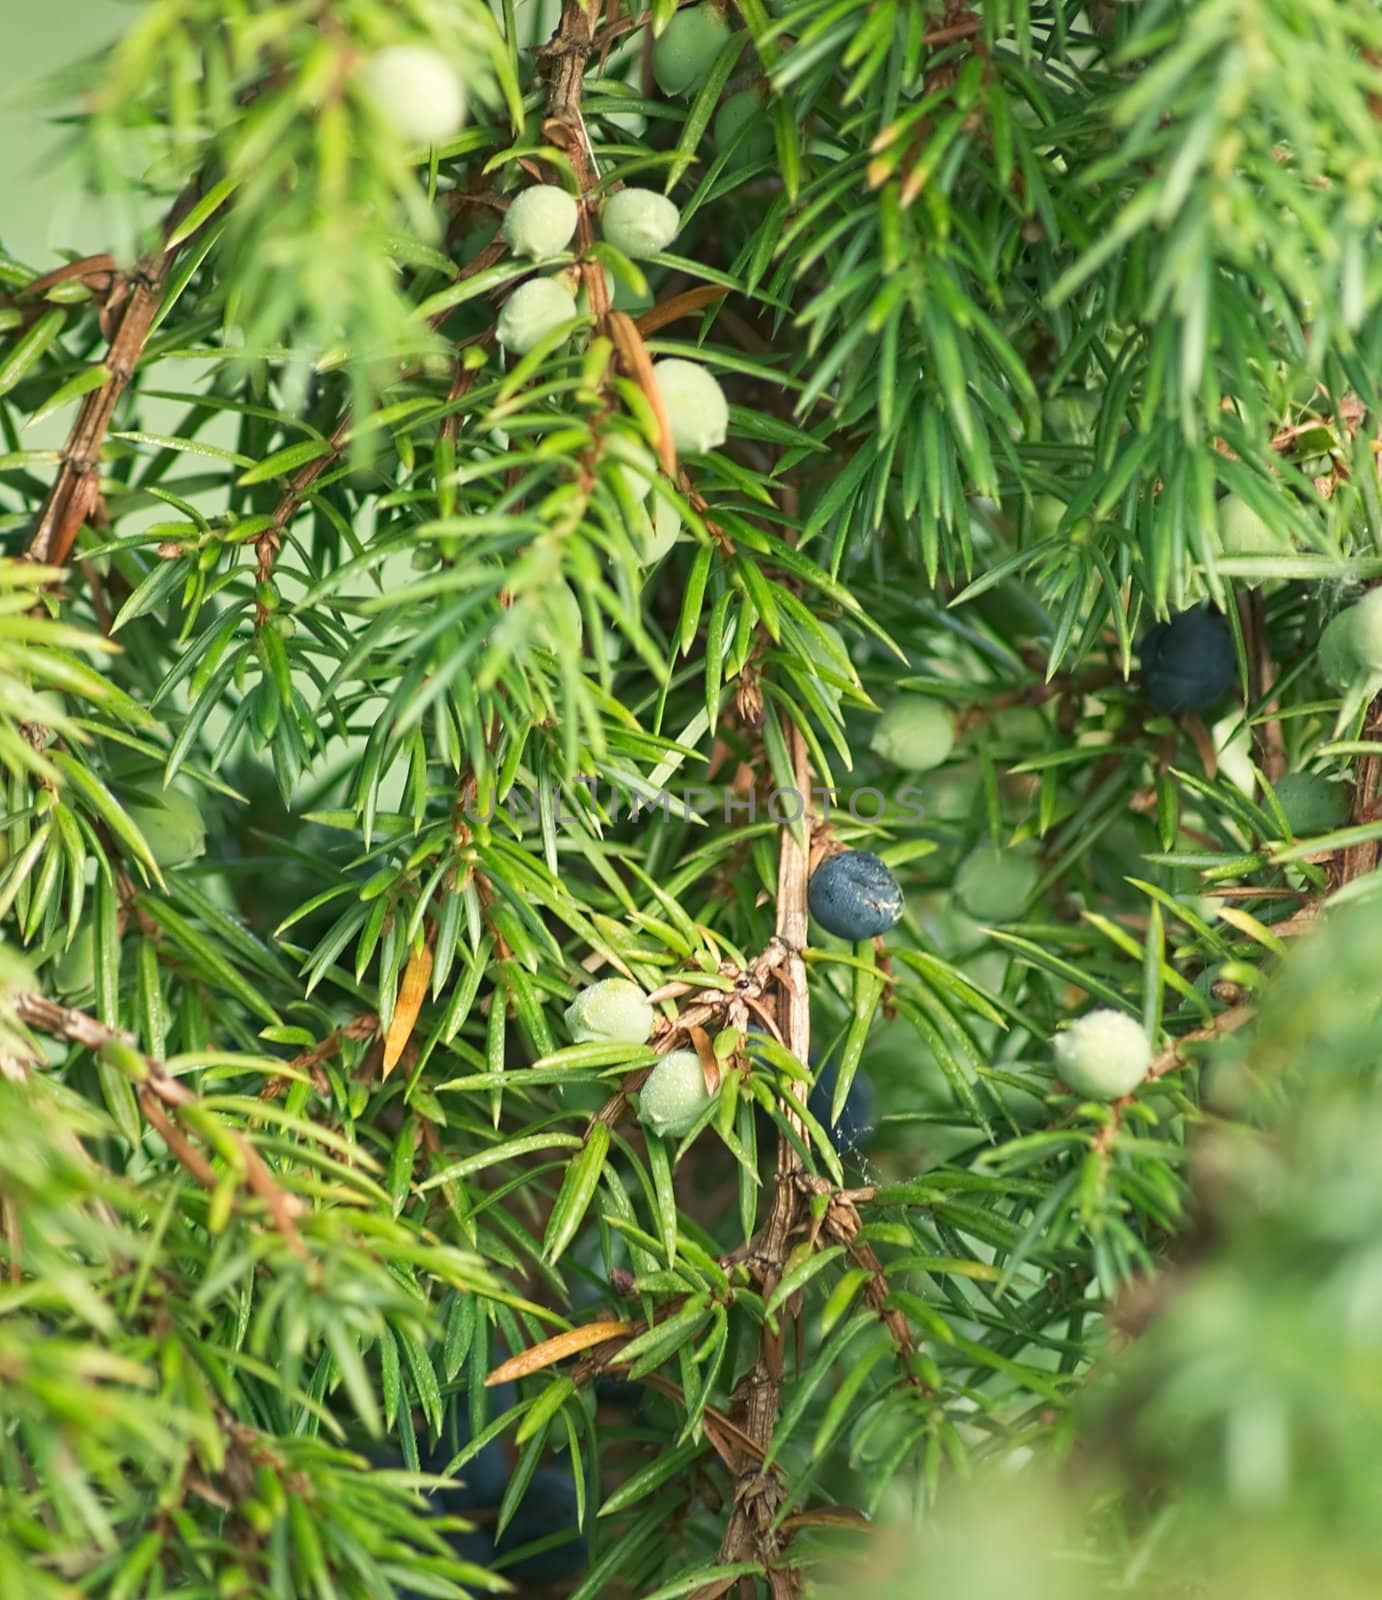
45	216
41	212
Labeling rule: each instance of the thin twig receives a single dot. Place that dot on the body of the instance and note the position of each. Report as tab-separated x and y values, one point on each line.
365	1026
134	300
1226	1022
268	544
162	1099
299	486
753	1533
98	274
1269	744
1360	859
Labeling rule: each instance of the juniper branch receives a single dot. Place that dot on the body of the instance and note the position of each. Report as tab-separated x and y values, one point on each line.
131	307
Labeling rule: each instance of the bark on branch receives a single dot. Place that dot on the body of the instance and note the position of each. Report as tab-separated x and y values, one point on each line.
130	310
164	1100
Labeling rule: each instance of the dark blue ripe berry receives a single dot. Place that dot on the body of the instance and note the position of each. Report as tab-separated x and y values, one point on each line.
856	1116
618	1392
547	1509
854	895
1188	662
481	1481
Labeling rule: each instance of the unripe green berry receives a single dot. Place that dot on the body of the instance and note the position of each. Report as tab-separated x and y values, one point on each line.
743	126
417	90
75	972
1352	642
540	221
172	827
913	733
1312	803
640	222
534	310
1018	725
1047	512
1104	1055
656	525
563	622
696	408
1338	659
663	531
636	468
687	48
614	1009
1071	418
1366	630
994	885
1242	532
950	794
674	1095
267	595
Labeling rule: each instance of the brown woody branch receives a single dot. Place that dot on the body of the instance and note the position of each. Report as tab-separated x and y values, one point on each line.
1360	859
163	1100
131	306
1226	1022
1269	745
753	1533
563	61
365	1026
97	274
840	1222
777	975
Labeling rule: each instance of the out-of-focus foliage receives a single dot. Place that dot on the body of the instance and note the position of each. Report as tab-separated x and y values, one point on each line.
1015	308
1240	1409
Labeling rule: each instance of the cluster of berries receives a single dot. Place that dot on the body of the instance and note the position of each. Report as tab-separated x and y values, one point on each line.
539	225
674	1094
674	1097
418	93
853	894
683	55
